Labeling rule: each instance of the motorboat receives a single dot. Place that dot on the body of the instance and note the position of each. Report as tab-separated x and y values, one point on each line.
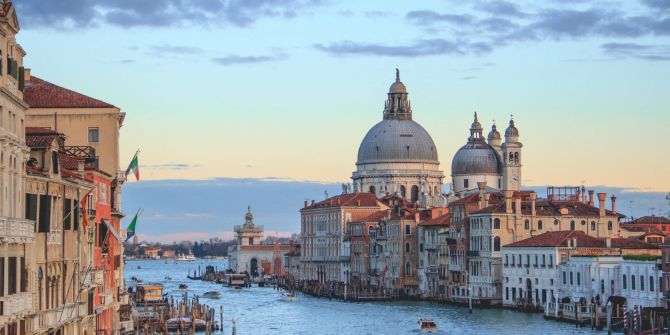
184	323
188	258
211	295
289	296
427	326
168	278
183	287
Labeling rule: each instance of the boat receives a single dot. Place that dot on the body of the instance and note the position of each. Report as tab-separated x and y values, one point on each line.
211	295
168	278
235	280
183	287
194	277
187	258
289	296
184	323
427	326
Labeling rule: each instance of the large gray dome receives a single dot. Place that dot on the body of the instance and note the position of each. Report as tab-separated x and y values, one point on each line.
397	141
476	158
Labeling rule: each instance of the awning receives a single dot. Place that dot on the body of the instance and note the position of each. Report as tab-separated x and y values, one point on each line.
112	230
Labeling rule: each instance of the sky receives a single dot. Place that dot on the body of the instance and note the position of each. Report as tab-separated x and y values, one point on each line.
286	89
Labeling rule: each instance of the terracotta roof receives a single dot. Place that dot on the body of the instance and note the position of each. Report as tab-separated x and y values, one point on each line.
347	200
640	229
653	219
544	207
38	137
442	220
374	217
43	94
494	197
561	238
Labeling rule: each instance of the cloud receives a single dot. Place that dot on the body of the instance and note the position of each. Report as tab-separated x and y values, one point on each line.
418	48
501	8
174	49
641	51
238	59
171	166
199	215
429	17
68	14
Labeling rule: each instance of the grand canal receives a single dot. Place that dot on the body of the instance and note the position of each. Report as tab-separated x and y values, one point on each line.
263	311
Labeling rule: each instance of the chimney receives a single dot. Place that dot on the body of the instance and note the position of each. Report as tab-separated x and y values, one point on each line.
26	74
508	201
312	202
601	203
590	197
305	203
482	189
583	194
608	243
487	197
533	199
614	203
517	204
416	217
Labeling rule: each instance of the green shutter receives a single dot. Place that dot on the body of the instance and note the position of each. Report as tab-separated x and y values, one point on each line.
22	78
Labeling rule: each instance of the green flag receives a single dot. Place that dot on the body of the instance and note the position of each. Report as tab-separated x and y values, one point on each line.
134	166
130	231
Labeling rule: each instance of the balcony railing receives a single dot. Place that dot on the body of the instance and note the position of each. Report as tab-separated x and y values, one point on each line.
473	253
241	227
17	230
17	304
55	317
431	246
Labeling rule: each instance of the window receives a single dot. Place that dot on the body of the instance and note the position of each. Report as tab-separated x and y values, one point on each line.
11	274
44	224
556	222
496	243
408	229
496	224
526	225
94	135
602	286
372	189
506	260
544	259
415	193
513	260
519	264
539	225
564	278
465	183
406	247
527	261
571	281
609	225
54	162
651	283
579	282
535	264
632	282
572	225
623	282
551	261
408	269
641	283
2	275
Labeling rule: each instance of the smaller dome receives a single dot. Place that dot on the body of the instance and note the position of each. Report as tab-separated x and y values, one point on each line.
476	158
249	218
397	87
494	134
511	130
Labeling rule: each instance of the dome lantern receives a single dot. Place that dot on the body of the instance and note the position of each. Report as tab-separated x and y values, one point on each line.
397	106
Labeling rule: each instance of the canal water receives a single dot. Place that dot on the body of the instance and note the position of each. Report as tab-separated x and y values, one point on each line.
261	310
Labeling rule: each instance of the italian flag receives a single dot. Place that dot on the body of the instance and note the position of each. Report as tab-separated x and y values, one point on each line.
134	166
131	228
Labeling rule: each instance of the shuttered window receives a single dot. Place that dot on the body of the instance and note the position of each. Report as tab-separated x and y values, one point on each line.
11	275
75	214
31	206
2	276
67	218
45	214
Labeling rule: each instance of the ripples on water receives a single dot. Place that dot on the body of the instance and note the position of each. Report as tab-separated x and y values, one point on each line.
261	310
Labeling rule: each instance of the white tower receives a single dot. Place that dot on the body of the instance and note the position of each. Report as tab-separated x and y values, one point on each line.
511	159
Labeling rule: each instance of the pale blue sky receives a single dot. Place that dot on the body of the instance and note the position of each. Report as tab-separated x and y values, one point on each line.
255	89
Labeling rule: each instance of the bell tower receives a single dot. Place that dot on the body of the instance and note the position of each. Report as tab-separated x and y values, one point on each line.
511	157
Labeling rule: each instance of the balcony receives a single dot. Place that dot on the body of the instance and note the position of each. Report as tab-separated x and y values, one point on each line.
432	269
431	246
17	230
55	318
106	301
256	228
473	253
17	304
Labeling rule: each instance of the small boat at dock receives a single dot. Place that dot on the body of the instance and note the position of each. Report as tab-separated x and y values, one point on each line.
211	295
289	296
427	326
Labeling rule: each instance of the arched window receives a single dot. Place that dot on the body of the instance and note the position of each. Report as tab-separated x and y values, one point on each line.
526	224
496	223
415	193
593	225
402	191
539	225
372	189
572	225
496	243
516	157
609	225
408	269
407	247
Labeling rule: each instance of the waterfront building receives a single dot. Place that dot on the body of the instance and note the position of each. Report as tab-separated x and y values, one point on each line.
55	186
398	156
92	129
522	215
249	255
533	269
292	263
363	252
432	246
324	225
152	252
17	234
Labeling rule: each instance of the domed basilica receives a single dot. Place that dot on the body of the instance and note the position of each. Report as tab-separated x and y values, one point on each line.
398	156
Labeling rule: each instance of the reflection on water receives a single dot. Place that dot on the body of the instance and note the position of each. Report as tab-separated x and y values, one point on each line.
261	310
